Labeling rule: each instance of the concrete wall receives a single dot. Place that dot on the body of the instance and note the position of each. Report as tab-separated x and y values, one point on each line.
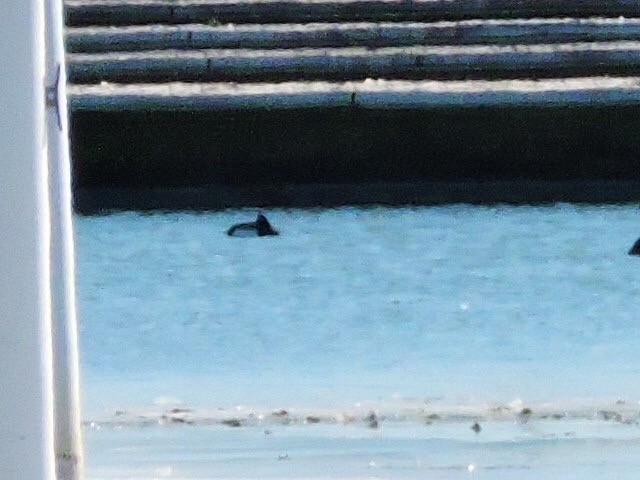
342	146
288	158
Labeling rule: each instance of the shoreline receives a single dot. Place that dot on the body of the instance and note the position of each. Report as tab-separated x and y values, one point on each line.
218	197
501	450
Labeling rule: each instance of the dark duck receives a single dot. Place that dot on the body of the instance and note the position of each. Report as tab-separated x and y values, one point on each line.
261	227
635	250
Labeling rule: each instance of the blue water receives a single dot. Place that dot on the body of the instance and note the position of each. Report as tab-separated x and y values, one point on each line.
205	356
458	304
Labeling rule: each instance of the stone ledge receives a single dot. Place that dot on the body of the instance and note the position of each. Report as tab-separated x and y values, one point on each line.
368	94
371	35
122	12
355	63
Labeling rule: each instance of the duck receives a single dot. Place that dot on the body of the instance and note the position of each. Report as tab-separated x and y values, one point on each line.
261	227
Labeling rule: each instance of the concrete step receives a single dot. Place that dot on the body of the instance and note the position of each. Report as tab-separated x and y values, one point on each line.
372	35
358	63
126	12
368	94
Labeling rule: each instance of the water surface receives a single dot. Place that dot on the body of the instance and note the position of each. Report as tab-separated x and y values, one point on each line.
453	314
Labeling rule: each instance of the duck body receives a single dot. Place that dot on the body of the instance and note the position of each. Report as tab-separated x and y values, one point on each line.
261	227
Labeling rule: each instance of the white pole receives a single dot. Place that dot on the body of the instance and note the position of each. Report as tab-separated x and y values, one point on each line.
26	398
68	440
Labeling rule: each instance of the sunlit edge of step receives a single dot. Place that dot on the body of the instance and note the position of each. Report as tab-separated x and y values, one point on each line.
122	12
321	35
368	94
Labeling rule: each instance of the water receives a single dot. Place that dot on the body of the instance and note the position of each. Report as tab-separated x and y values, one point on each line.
437	316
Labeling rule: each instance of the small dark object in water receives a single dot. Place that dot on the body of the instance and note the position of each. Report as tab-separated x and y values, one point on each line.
525	415
635	250
312	419
261	226
165	419
372	420
610	415
476	427
180	410
233	422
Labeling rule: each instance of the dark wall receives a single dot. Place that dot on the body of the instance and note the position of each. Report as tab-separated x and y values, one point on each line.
175	149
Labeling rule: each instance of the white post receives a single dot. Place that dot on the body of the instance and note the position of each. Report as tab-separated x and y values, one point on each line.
68	440
26	398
